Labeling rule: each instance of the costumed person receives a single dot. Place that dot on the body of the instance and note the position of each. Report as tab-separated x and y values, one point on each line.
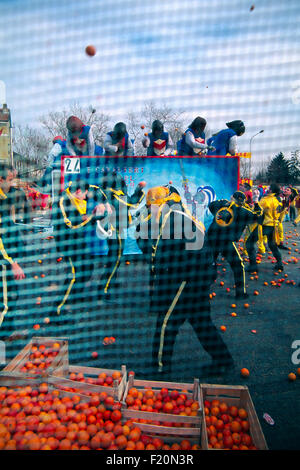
117	142
115	190
74	242
246	188
12	255
158	142
272	207
230	220
297	205
225	141
182	272
192	142
79	142
288	197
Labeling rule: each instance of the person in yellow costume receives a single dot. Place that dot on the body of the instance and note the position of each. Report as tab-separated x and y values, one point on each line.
297	205
262	240
272	207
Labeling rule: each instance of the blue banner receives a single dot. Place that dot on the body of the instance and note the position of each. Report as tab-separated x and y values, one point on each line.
199	180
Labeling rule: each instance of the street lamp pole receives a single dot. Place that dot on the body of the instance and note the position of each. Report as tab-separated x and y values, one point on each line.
260	132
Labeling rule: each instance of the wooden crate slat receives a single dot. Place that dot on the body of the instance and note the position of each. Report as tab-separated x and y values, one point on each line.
165	430
115	391
151	415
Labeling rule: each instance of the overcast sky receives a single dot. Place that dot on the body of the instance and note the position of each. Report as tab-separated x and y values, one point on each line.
213	58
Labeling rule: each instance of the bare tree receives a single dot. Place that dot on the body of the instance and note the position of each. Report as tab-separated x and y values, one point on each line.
30	146
54	122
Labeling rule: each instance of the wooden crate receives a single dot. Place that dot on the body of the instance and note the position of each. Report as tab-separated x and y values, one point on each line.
16	380
116	391
61	360
167	433
233	395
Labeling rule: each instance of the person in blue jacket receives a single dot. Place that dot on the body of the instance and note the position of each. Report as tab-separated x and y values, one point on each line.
225	141
192	142
79	142
117	142
158	142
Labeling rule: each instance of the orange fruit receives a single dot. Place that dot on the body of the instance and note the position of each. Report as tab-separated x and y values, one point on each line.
134	434
292	376
65	444
90	50
116	375
149	393
223	407
243	413
174	446
34	443
126	430
235	427
133	392
215	411
245	372
121	441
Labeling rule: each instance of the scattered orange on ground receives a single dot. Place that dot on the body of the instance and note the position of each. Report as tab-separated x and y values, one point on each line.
245	372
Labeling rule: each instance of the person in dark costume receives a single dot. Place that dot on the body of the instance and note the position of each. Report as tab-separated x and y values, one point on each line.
79	142
12	256
192	142
117	142
158	142
182	273
230	220
225	141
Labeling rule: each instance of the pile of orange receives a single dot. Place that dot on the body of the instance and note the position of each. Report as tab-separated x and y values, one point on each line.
40	358
173	402
227	426
36	418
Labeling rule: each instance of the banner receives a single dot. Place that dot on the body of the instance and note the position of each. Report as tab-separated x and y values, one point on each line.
199	180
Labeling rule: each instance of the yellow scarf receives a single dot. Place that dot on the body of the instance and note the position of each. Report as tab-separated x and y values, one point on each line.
2	194
78	203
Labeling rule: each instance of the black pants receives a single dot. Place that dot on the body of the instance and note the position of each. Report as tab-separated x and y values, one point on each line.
292	213
193	306
72	289
112	263
268	231
231	254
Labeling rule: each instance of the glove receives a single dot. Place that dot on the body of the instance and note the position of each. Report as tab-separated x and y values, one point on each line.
210	148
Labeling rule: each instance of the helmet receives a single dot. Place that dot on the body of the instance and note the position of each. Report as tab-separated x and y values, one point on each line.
162	194
239	197
74	125
237	126
198	124
119	131
157	128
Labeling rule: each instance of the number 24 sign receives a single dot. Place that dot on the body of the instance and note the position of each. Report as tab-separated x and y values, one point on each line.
72	165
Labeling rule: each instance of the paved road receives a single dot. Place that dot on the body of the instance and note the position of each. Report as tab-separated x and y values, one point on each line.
274	314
